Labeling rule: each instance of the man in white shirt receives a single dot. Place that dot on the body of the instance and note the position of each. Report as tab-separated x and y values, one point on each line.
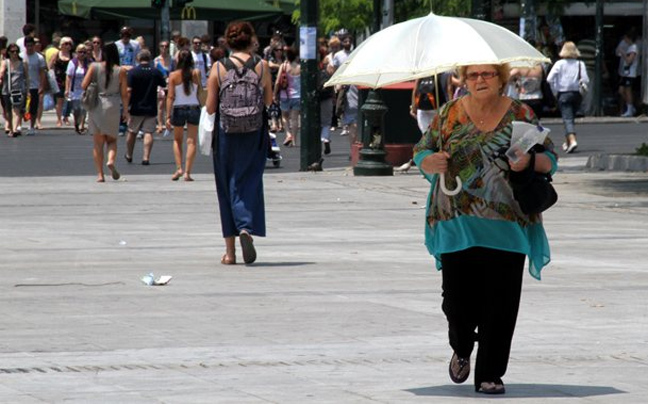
628	53
128	48
346	106
37	79
29	30
201	60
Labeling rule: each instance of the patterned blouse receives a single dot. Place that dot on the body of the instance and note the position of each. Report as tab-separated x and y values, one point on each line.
484	213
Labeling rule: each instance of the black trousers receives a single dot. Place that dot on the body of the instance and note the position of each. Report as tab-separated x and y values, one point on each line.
481	290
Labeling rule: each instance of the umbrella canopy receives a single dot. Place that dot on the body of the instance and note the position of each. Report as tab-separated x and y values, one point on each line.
216	10
430	45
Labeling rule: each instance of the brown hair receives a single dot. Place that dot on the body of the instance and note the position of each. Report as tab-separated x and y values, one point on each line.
239	35
217	53
186	66
503	72
291	53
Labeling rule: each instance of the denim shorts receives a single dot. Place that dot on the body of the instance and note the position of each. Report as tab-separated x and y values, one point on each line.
189	114
289	104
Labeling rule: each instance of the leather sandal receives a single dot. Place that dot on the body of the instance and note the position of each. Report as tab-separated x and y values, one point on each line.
228	261
459	368
496	387
247	245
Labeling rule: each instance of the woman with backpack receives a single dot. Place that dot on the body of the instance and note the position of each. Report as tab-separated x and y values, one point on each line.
76	72
183	107
240	86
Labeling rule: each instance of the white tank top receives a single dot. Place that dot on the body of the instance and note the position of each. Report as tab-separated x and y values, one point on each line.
183	99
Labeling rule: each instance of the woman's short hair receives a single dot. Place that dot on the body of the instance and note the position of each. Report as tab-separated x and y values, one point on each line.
334	42
239	35
217	53
569	51
503	72
291	53
182	42
67	39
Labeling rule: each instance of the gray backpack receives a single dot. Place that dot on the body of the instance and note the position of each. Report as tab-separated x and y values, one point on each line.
241	97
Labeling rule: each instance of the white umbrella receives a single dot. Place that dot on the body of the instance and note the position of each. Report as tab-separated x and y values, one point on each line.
430	45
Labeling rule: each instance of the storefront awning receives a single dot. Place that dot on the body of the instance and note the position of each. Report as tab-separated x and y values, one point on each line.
212	10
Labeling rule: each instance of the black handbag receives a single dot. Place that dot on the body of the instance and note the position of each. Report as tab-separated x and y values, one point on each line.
532	190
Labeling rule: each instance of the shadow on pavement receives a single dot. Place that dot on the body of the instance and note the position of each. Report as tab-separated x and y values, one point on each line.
520	391
281	264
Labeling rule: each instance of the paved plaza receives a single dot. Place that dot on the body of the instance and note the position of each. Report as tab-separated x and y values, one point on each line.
343	305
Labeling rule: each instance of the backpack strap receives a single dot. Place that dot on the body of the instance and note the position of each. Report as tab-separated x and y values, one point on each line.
75	64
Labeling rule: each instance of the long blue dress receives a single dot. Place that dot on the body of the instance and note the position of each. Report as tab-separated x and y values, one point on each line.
239	162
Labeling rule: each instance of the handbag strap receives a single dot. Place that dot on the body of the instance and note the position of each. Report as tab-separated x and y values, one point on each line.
579	71
9	74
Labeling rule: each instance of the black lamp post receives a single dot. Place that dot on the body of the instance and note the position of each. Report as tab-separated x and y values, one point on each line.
372	155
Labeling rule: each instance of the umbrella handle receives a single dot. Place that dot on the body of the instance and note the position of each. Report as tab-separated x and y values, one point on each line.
446	190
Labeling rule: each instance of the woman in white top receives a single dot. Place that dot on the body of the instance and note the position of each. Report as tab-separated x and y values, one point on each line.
76	71
565	78
183	108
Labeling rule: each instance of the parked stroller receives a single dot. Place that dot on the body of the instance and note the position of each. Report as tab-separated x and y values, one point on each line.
274	152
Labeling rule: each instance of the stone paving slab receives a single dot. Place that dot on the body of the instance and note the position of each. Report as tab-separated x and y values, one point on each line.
342	307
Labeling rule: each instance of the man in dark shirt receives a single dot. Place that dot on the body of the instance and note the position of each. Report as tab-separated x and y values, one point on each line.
143	82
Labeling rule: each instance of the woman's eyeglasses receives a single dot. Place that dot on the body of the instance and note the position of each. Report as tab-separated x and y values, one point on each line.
96	42
13	51
484	75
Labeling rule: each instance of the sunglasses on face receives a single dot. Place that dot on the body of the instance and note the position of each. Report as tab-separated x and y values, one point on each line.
197	43
81	52
484	75
96	42
164	46
13	51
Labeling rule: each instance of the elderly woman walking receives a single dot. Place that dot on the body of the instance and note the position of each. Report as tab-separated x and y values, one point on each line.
565	79
76	72
480	236
103	120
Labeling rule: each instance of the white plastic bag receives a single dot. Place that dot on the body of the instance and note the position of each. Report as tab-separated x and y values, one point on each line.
205	129
48	102
53	86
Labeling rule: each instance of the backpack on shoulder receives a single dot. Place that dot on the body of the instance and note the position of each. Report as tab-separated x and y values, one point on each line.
241	97
425	97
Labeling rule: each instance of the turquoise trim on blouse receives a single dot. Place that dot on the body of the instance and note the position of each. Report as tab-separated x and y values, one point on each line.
464	231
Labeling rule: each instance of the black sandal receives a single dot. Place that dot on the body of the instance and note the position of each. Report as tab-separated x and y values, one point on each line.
247	245
459	368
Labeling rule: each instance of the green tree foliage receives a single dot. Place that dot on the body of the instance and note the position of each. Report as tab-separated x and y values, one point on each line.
408	9
357	15
354	15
